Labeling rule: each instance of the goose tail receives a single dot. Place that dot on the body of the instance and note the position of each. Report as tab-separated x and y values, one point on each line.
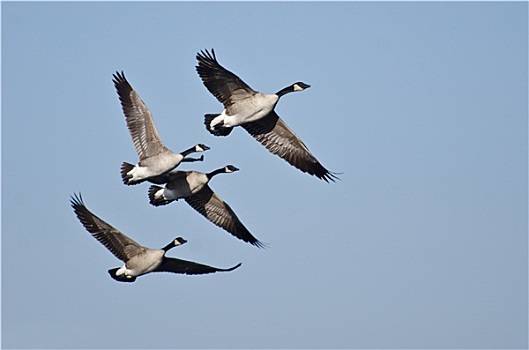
156	196
121	278
219	129
126	175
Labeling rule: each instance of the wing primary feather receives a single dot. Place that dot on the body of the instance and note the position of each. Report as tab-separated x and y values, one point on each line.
140	123
113	239
209	205
273	133
175	265
220	82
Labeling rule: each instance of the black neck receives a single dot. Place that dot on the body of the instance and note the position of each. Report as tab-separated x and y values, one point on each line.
286	90
215	172
188	151
169	246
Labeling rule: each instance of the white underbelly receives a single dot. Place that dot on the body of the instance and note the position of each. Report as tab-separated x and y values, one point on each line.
238	119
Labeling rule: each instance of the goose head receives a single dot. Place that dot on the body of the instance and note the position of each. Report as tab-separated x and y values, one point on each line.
299	86
201	147
175	243
224	170
230	169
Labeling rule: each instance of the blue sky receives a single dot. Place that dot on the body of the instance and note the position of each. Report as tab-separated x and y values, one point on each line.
421	106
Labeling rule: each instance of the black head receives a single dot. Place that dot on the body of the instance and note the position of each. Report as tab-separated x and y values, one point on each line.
201	147
300	86
175	243
224	170
230	169
179	241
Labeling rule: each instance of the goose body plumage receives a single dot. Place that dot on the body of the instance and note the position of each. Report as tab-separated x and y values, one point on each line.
192	186
254	111
155	158
138	260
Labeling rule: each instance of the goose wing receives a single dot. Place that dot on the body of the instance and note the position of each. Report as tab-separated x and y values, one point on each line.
207	203
272	132
188	267
114	240
139	119
223	84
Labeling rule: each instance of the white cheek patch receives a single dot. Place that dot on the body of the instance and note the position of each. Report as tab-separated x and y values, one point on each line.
298	88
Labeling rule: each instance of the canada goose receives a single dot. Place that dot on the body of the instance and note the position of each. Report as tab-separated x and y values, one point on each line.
254	111
155	158
138	260
193	187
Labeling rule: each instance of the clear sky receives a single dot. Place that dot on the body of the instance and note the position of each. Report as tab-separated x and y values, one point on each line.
421	106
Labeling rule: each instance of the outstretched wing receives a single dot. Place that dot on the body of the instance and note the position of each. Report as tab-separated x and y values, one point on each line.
188	267
118	243
207	203
139	119
223	84
272	132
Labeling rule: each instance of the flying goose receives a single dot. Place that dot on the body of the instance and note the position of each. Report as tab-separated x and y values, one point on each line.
138	260
193	187
155	158
254	111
